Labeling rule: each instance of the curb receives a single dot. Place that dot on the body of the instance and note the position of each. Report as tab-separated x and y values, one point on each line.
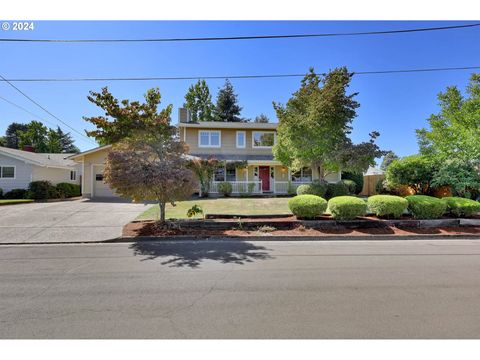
129	239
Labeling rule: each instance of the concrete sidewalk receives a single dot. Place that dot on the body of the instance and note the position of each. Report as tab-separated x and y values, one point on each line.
65	222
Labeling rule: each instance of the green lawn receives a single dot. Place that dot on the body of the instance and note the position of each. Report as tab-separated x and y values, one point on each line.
240	206
14	201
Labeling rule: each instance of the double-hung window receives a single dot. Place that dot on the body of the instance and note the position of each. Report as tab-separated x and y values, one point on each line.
263	139
209	138
241	141
302	175
7	172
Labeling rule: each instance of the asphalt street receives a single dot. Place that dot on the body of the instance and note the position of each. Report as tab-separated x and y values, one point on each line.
236	289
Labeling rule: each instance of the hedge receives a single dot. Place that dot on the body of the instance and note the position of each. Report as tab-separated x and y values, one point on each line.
307	206
387	205
315	188
42	190
461	207
336	189
15	194
426	207
68	190
351	186
347	207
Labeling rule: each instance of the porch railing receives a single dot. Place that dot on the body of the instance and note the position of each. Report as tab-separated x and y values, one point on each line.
255	187
239	187
282	187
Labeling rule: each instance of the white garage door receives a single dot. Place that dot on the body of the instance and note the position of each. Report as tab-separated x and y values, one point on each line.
100	189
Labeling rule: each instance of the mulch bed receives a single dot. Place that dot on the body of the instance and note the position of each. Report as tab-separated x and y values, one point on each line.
271	227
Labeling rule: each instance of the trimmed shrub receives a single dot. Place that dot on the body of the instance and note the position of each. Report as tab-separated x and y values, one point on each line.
307	206
461	207
41	190
387	205
356	177
1	193
351	186
315	188
347	207
426	207
225	188
336	189
15	194
68	190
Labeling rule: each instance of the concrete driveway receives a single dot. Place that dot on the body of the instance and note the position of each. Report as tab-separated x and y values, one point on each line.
68	221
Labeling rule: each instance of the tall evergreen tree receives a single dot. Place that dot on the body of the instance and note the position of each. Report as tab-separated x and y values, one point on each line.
199	101
66	142
262	118
227	108
11	135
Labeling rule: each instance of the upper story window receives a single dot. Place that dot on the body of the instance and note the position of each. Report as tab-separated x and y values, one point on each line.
263	139
7	172
73	175
241	139
209	138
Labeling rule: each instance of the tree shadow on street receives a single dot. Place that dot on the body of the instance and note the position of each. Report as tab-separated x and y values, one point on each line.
192	253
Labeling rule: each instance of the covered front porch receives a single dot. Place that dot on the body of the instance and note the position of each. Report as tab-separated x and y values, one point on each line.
263	178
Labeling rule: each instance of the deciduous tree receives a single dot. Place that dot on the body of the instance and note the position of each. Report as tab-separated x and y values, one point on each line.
315	123
125	118
455	131
388	158
199	101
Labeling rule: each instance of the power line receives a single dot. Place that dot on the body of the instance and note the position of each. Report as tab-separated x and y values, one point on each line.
44	109
252	76
248	37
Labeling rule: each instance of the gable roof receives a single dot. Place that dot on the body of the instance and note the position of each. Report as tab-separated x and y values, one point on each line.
229	125
44	160
91	151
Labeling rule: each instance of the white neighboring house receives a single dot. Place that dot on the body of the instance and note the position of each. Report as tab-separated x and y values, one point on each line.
19	168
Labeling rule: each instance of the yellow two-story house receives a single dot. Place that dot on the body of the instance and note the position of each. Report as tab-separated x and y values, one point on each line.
251	145
246	143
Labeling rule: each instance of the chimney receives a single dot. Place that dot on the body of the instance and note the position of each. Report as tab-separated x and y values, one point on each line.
183	115
29	148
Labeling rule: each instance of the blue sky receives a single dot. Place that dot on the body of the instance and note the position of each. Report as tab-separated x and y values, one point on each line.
395	105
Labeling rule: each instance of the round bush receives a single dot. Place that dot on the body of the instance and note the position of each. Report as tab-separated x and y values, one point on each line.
461	207
351	186
225	188
315	188
41	190
387	205
347	207
357	177
336	189
426	207
307	206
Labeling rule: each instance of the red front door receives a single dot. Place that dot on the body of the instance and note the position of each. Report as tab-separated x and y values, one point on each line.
264	173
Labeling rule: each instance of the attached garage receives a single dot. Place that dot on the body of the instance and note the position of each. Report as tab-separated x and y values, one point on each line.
100	189
92	162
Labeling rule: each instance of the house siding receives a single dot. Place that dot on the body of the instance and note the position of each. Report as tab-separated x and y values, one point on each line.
96	158
23	173
54	175
228	142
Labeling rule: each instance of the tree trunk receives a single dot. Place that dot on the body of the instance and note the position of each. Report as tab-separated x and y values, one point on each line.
161	205
321	172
